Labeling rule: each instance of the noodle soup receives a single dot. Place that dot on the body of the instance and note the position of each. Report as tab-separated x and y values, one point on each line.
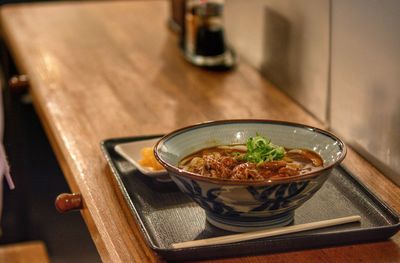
230	162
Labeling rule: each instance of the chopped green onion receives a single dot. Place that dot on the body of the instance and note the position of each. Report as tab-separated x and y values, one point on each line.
260	149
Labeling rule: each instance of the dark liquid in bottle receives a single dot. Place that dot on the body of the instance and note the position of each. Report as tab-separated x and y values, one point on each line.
209	41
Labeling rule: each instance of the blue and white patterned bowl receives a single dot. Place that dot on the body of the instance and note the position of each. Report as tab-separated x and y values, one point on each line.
248	205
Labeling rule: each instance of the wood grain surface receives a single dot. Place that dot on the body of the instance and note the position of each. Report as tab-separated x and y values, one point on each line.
99	70
32	251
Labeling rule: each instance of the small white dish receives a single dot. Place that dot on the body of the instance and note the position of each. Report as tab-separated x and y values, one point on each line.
131	152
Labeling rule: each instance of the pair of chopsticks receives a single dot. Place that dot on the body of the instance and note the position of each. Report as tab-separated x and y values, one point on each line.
267	233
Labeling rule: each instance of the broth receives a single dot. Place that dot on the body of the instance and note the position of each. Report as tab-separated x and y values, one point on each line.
228	162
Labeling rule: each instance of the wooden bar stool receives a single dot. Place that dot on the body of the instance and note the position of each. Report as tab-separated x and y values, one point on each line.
26	252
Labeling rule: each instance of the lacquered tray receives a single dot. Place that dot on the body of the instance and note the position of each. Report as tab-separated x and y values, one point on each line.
166	216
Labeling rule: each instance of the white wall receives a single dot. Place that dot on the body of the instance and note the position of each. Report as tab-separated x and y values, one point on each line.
365	104
340	59
288	41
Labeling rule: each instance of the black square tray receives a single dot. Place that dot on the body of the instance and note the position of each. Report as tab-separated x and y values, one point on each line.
167	216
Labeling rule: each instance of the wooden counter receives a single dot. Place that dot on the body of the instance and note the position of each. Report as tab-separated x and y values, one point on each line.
111	69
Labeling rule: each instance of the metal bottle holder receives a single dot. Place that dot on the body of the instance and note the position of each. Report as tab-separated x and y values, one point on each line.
203	39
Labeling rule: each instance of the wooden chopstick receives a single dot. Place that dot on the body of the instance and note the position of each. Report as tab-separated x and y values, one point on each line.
266	233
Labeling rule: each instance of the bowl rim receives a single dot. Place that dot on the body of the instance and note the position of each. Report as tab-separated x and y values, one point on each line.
180	172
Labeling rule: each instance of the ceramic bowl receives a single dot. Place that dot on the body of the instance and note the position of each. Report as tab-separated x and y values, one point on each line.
242	206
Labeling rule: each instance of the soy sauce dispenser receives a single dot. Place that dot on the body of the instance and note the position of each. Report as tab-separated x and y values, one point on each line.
203	38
